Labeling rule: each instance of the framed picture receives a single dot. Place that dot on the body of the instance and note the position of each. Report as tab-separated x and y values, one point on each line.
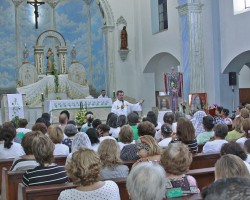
162	101
197	101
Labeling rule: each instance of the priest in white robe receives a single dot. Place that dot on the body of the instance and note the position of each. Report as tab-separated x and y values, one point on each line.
122	107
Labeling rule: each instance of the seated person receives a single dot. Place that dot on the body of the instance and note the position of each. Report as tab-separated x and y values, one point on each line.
70	131
47	172
56	135
228	188
133	119
148	149
166	132
176	160
103	131
94	139
168	119
230	166
237	131
28	160
220	132
22	128
126	136
84	171
197	121
89	119
9	148
247	150
112	167
40	127
185	133
208	124
235	149
146	181
224	115
246	129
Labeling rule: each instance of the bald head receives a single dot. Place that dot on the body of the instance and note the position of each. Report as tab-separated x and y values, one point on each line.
63	119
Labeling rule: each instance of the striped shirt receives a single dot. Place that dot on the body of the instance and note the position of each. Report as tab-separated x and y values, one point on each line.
40	175
192	145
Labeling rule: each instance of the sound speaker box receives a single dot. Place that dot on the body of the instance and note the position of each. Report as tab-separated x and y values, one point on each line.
232	78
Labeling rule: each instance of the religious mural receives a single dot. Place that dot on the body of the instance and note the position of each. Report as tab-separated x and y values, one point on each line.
70	20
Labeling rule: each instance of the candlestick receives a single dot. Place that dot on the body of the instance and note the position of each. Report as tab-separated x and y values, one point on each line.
42	97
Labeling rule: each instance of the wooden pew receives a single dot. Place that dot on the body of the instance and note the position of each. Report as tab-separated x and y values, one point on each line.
204	177
129	163
7	163
52	192
200	148
10	180
202	160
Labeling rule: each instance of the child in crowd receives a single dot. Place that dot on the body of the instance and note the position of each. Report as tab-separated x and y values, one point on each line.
176	160
220	132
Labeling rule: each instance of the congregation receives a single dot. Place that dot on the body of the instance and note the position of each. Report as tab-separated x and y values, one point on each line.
161	154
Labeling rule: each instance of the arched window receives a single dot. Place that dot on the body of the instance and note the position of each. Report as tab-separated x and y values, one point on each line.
241	6
159	15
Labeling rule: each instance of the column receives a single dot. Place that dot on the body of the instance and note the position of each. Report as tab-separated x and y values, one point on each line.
89	41
53	4
63	66
39	59
110	80
192	46
16	4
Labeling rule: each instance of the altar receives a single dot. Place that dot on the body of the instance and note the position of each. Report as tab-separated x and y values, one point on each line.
100	107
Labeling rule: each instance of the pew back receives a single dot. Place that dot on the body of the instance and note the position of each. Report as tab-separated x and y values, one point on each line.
7	163
202	160
52	192
204	177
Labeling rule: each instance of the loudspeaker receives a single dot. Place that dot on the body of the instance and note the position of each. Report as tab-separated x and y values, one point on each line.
232	78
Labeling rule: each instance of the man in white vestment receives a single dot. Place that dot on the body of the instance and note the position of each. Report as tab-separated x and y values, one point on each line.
103	95
122	107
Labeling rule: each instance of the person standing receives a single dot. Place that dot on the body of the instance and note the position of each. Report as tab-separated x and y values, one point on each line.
122	107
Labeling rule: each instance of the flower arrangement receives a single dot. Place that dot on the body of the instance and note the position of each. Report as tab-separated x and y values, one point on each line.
81	115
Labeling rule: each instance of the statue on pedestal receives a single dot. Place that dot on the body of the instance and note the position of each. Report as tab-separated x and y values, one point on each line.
51	60
124	38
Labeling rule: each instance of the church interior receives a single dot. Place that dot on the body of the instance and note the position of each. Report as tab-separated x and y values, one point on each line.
165	56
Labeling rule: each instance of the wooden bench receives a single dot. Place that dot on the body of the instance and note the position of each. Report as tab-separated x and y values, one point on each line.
129	163
7	163
52	192
10	180
200	148
204	177
202	160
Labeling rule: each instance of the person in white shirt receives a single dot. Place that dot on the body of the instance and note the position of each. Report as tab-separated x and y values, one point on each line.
103	130
220	132
247	150
166	132
8	148
122	107
84	170
55	133
103	95
22	128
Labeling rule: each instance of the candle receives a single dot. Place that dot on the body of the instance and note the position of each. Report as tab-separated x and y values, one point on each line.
113	94
42	97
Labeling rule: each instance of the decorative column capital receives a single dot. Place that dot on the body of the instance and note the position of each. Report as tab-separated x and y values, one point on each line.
53	3
17	2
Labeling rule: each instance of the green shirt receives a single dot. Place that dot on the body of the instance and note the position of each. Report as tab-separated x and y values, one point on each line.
135	132
233	135
204	137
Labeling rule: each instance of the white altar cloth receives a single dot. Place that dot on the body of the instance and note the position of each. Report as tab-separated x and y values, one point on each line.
51	105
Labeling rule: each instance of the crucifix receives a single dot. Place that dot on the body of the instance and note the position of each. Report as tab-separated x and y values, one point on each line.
35	3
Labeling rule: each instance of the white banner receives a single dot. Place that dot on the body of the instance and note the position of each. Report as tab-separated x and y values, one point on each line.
15	106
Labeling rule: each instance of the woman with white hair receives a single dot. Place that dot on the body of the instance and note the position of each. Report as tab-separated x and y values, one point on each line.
146	181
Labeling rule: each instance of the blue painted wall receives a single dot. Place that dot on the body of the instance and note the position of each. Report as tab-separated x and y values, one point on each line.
71	22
